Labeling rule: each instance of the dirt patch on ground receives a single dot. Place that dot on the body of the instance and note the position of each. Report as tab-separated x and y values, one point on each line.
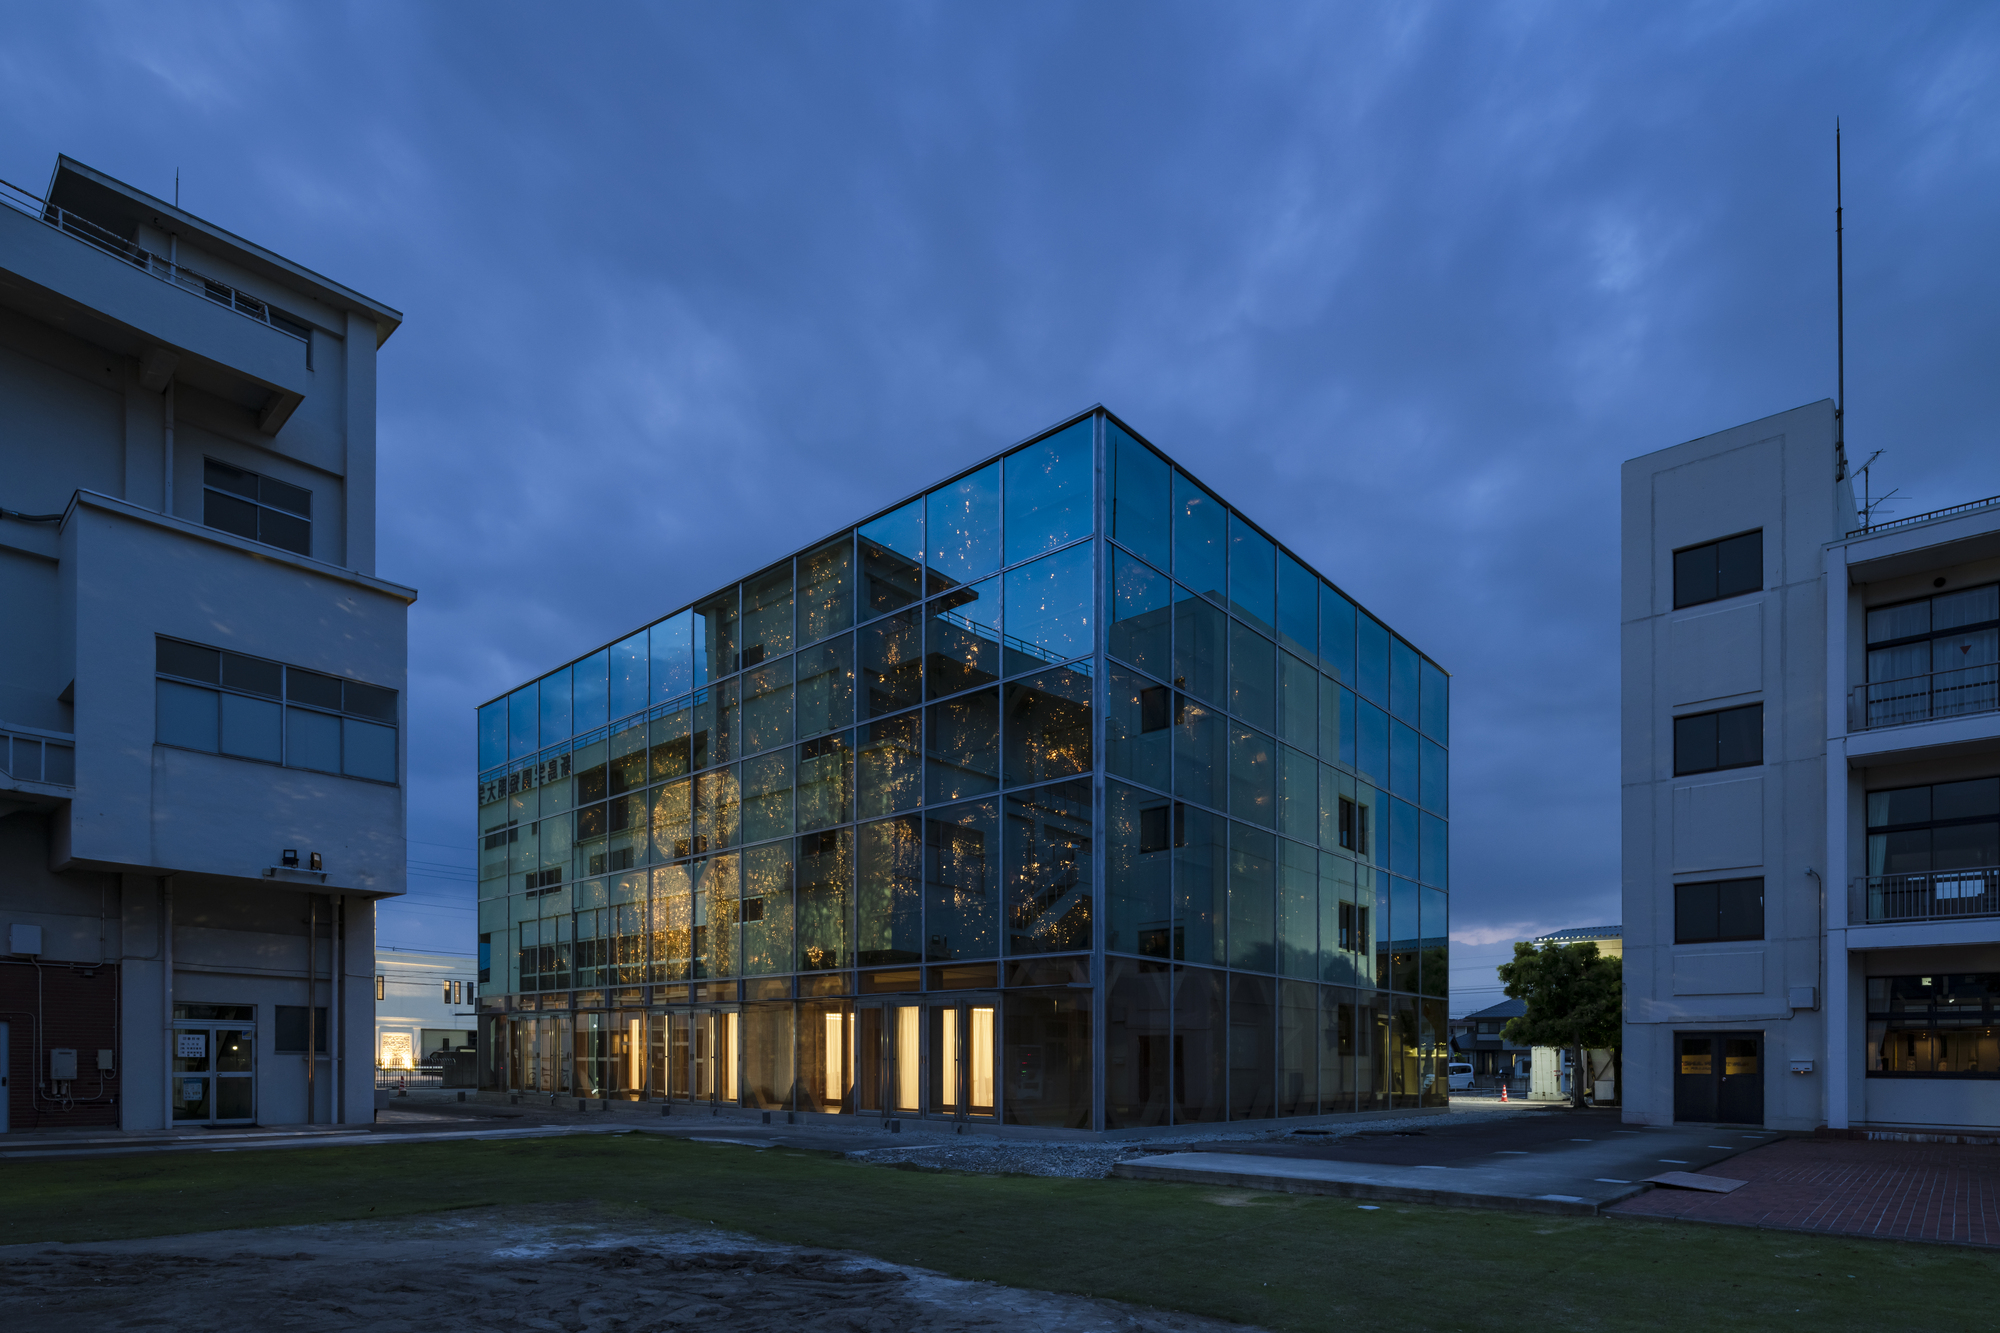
572	1269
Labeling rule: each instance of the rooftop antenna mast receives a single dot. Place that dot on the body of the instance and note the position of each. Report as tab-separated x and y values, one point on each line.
1839	320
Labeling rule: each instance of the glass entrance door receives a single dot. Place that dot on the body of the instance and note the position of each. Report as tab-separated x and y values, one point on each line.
711	1055
963	1055
888	1058
213	1075
1719	1077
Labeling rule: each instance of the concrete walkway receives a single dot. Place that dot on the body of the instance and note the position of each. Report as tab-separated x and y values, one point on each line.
1905	1191
1565	1162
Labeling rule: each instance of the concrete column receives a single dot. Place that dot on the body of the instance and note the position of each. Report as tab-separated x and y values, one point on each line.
142	1049
356	1025
358	423
1841	1039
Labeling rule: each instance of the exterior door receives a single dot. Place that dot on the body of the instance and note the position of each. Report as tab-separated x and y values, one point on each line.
963	1051
214	1075
1719	1077
712	1055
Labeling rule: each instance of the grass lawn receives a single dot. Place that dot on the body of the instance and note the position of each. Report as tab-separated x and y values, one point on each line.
1282	1261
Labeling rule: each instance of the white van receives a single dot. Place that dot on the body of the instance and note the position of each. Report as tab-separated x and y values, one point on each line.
1459	1077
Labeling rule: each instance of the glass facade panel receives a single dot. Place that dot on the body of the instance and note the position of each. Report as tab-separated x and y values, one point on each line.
853	760
1142	499
963	522
1049	492
1141	625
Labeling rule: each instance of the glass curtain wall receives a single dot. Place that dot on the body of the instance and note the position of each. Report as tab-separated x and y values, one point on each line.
871	770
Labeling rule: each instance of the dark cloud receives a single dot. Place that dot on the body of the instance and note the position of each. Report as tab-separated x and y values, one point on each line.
689	286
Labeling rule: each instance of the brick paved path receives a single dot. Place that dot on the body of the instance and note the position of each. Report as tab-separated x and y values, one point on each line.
1905	1191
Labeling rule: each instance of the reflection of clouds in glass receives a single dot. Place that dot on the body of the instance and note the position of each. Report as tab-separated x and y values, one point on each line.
963	520
1049	492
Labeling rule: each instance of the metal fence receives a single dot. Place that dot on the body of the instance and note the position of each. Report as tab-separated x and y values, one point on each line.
166	270
1938	895
1954	693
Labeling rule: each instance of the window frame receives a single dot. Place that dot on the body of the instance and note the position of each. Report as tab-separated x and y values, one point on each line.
258	503
1721	911
1681	769
1715	544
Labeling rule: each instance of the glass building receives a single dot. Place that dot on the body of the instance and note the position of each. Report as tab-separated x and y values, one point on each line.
1058	795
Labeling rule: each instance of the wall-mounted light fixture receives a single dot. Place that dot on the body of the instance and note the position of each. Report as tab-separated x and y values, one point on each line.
290	859
316	862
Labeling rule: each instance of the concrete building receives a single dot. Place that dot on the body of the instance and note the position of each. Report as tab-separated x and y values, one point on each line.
1053	796
1811	793
201	679
425	1012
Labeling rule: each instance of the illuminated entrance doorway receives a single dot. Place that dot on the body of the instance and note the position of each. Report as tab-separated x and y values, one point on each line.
694	1055
213	1078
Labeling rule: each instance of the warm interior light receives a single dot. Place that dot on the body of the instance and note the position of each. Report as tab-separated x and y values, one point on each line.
633	1048
979	1040
836	1050
947	1059
909	1035
728	1057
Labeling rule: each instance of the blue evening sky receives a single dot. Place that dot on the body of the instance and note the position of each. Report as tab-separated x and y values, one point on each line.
687	285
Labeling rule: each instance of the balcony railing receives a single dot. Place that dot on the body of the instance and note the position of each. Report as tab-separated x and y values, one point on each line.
166	270
1954	693
27	757
1940	895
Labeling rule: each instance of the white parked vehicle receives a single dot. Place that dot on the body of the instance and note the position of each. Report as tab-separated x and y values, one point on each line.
1459	1077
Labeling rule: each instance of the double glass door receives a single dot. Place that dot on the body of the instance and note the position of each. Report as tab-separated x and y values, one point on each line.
931	1057
694	1055
214	1079
1719	1077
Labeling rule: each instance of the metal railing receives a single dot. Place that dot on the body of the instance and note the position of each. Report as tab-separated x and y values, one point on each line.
166	270
1954	693
1934	896
1968	506
30	758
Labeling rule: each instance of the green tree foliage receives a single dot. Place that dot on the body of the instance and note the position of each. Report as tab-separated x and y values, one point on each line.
1575	998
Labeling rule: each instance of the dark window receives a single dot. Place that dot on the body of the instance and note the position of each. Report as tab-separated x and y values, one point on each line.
260	508
291	1028
1731	738
1726	909
1354	826
297	728
1947	827
1937	1026
174	658
1155	708
1715	570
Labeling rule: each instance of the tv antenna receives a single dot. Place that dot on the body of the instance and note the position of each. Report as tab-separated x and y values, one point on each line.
1840	325
1870	504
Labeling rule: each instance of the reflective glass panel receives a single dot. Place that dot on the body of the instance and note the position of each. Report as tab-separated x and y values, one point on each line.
962	744
1138	732
1201	647
716	622
767	706
1139	830
716	722
1403	847
1435	851
767	796
1048	610
1201	885
554	689
1201	1046
1047	726
1253	879
826	686
1435	770
962	638
1141	624
1201	753
892	664
892	553
1403	701
1298	909
767	615
1253	1005
962	882
1336	634
1252	575
589	693
1403	776
1371	743
1371	659
668	744
826	781
1298	794
630	689
492	734
825	893
767	909
1298	608
671	645
889	892
891	765
521	721
1138	1043
963	522
1201	540
1435	687
1298	701
1253	777
1048	868
826	589
1253	668
1142	498
1049	491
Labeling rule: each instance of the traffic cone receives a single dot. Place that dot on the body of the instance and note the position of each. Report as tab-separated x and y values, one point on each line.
1503	1089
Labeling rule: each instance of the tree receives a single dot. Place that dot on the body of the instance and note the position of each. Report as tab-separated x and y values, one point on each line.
1576	1002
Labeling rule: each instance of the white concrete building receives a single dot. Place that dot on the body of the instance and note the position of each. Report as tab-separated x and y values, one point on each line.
1811	781
426	1015
202	677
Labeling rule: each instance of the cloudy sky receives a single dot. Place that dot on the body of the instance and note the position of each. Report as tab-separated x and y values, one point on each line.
687	285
